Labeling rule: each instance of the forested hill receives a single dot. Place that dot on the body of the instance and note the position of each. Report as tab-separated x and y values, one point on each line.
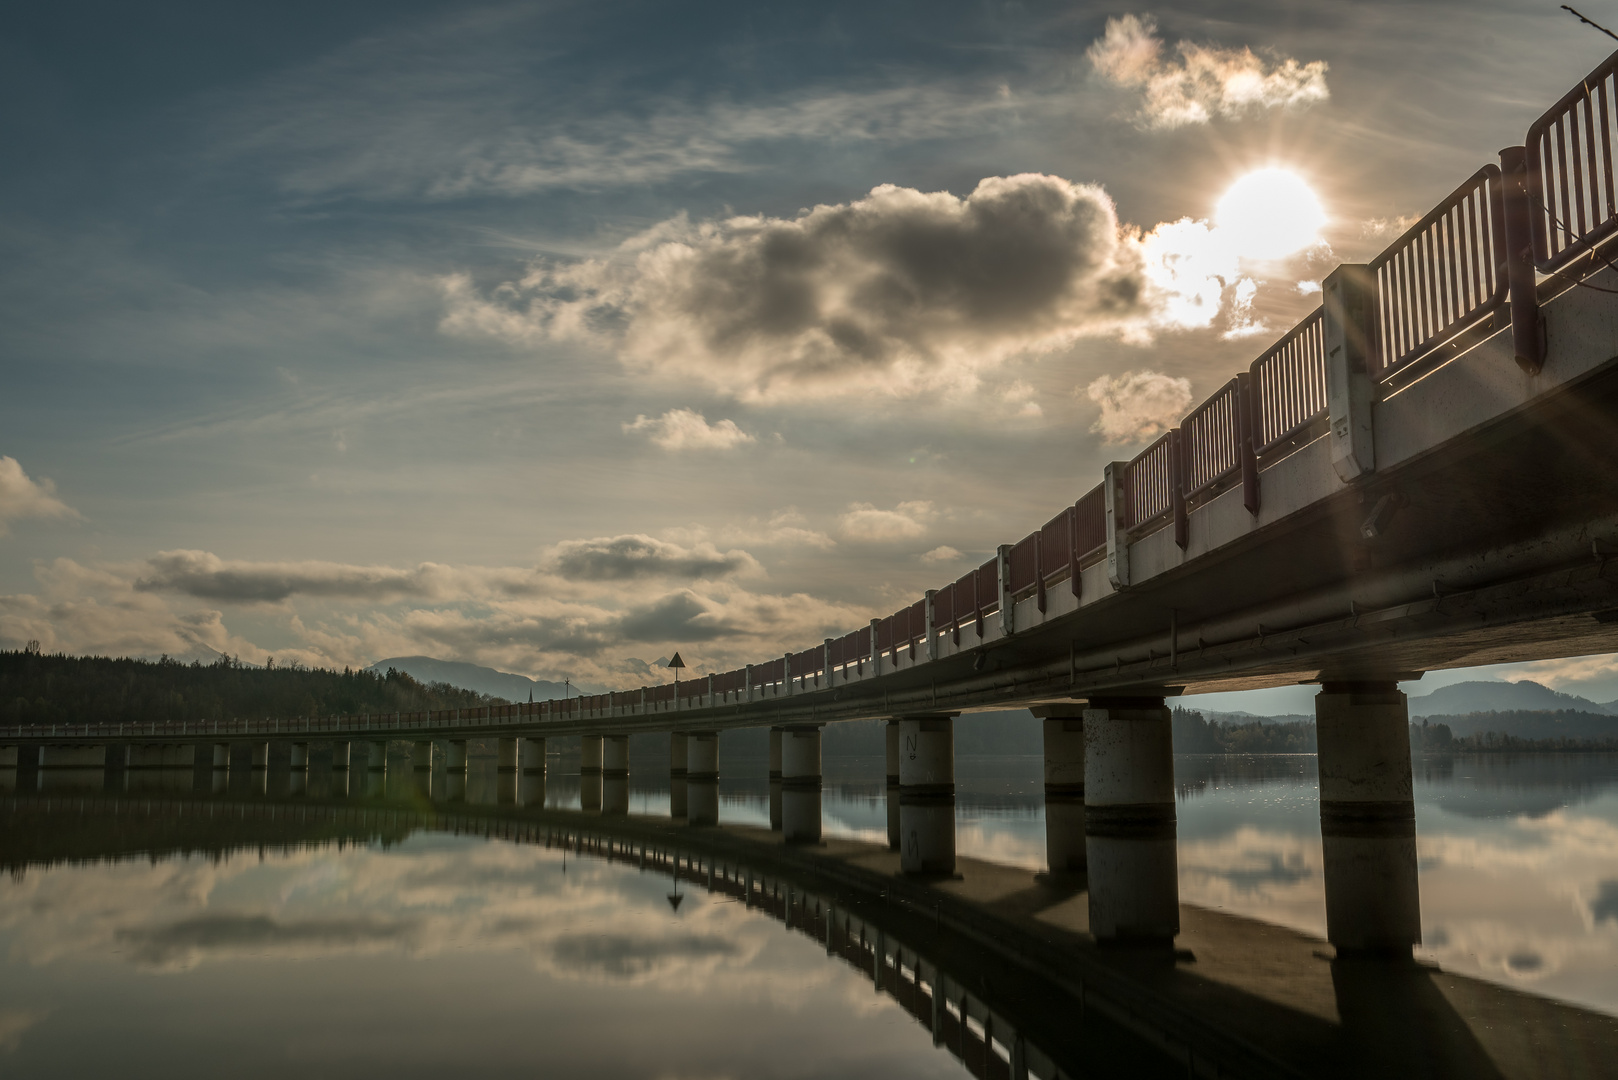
37	689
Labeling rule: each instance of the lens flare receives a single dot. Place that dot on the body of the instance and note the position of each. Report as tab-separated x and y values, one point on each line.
1269	214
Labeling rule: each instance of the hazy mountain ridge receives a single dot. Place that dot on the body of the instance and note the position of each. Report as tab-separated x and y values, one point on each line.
1483	696
482	680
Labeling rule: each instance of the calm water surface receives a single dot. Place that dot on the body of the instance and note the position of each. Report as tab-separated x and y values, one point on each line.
443	955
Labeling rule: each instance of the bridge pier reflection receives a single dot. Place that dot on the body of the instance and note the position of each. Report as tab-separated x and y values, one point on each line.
505	754
615	774
590	773
702	778
775	779
800	784
927	794
1129	821
1367	818
1064	786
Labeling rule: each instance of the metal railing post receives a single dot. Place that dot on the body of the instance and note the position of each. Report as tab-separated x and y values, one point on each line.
1527	332
1349	330
1002	568
1115	500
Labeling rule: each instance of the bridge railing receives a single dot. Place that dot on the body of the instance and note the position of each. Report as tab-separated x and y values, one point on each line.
1570	170
1447	272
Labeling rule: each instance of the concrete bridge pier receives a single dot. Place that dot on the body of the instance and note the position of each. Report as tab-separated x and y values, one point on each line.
927	794
1129	822
261	755
702	778
1367	818
455	758
454	786
1064	786
300	756
800	784
531	755
340	755
590	773
8	757
678	790
505	753
221	756
531	789
376	756
775	779
890	736
615	774
421	754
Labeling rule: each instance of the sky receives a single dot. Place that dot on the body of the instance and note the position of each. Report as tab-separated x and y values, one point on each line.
557	337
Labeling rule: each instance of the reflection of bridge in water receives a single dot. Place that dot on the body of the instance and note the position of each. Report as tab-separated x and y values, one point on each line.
997	962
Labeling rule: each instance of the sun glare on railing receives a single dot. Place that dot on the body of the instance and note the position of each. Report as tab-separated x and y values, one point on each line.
1269	214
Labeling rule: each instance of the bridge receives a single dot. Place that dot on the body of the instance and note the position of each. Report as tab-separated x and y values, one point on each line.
1417	476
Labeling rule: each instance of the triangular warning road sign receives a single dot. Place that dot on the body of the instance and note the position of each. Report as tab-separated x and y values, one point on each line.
676	662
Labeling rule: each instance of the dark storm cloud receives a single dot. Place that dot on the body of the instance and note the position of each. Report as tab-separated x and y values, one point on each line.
628	558
624	956
206	576
890	290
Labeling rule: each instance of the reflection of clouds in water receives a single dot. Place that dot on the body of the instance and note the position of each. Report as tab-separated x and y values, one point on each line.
600	923
1270	875
1604	905
14	1023
980	840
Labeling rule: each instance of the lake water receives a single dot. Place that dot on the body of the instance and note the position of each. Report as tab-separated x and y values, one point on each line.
424	953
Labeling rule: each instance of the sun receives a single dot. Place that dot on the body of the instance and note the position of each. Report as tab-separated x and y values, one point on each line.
1269	214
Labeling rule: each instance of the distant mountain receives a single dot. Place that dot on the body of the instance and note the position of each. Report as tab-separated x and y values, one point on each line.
1478	697
483	680
1561	724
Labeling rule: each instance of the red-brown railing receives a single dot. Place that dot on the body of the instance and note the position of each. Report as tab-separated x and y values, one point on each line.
1445	273
1212	438
1290	382
1570	170
1149	481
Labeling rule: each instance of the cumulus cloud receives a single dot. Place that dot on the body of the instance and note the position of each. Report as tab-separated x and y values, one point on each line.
899	291
1200	82
685	429
627	558
23	497
906	521
943	553
1137	405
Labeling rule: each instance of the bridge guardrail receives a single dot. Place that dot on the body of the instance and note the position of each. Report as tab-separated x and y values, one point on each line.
1443	275
1570	170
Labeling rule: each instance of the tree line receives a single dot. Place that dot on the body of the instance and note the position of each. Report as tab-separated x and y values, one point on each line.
57	689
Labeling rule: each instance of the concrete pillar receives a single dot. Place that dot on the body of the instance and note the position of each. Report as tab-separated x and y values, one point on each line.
506	754
221	755
1129	821
590	772
679	801
421	754
927	794
1367	818
775	779
800	784
297	781
300	756
890	738
615	774
141	756
702	778
338	782
8	757
1064	786
220	781
377	757
375	783
531	755
455	757
261	755
531	789
340	752
454	786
